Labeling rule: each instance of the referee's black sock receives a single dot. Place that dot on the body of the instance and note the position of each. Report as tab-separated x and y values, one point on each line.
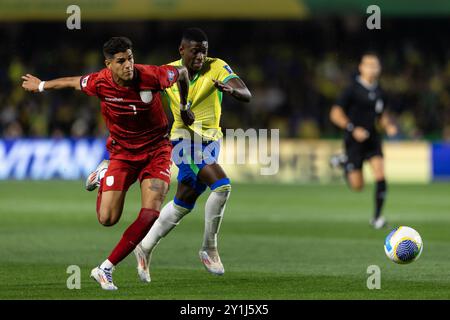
380	195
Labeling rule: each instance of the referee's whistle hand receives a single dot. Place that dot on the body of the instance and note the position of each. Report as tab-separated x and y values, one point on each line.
360	134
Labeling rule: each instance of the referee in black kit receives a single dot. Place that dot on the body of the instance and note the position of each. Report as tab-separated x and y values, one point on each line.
360	110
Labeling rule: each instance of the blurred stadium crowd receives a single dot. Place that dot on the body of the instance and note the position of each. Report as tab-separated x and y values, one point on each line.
295	70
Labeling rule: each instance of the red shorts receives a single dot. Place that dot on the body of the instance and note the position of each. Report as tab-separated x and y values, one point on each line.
121	174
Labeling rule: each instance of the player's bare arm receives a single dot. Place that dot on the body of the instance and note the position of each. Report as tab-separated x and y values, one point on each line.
34	84
388	124
183	87
236	88
340	119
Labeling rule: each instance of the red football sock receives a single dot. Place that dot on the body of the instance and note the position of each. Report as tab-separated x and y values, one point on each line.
133	235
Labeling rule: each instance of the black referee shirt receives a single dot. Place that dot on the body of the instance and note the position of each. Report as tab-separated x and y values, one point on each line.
363	105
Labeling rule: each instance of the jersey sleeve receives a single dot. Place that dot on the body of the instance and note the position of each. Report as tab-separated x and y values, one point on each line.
88	84
224	72
345	98
158	77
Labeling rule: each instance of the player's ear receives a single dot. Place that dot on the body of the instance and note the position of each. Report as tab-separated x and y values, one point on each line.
108	63
181	49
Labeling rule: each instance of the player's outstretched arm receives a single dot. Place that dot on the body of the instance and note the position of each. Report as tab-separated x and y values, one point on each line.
340	119
183	87
236	88
34	84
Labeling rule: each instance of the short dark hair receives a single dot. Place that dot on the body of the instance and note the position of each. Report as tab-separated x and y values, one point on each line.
194	34
115	45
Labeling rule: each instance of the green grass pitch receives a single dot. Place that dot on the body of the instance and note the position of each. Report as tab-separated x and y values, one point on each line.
276	242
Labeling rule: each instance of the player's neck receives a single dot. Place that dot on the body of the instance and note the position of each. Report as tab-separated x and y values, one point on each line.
192	74
368	81
120	82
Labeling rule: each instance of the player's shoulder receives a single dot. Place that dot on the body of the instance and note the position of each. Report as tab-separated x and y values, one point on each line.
96	77
149	68
352	85
144	67
217	65
215	62
175	63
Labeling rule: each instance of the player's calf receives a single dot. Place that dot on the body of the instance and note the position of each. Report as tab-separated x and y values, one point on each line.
170	216
214	210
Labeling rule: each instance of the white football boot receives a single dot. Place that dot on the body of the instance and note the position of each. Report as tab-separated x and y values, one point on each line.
93	180
104	278
338	161
143	261
378	223
212	262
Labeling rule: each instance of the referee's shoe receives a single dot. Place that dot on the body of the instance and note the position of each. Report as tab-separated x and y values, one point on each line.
378	223
338	161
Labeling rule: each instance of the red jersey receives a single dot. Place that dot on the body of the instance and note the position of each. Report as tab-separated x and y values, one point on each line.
133	115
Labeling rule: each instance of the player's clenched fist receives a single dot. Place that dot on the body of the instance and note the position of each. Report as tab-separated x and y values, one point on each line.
31	83
187	116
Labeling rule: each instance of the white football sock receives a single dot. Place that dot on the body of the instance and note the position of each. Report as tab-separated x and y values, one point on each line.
214	209
106	265
168	219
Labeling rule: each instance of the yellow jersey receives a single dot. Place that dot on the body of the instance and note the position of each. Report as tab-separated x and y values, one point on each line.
205	101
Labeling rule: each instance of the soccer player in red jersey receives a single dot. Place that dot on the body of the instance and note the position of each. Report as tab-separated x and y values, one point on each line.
138	140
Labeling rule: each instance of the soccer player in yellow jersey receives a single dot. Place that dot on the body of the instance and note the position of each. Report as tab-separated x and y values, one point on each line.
196	128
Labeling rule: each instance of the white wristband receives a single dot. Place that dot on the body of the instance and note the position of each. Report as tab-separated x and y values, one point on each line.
184	107
41	86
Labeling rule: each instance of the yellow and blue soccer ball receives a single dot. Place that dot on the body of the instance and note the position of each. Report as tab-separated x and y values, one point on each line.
403	245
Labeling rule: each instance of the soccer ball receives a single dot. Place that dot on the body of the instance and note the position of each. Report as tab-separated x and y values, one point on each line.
403	245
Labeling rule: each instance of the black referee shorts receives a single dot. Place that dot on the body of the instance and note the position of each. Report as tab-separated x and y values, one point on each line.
358	152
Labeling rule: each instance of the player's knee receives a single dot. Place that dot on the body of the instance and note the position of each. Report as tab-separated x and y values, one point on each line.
187	197
357	186
108	217
183	207
106	221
